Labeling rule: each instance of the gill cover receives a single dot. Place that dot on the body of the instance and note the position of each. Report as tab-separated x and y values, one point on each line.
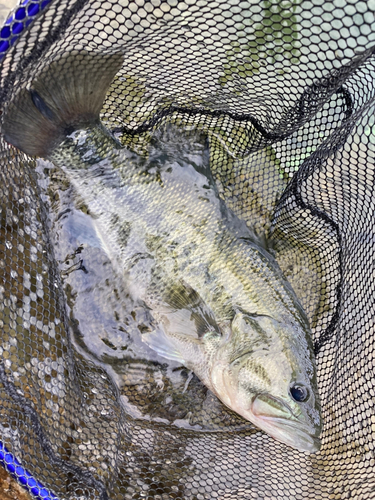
254	372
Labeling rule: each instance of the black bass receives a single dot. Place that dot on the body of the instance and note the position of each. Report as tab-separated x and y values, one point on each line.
214	299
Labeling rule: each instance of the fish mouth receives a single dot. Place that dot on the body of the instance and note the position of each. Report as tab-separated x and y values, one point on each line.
291	435
288	429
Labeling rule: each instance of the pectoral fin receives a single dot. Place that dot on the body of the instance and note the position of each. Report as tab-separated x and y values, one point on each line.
187	307
183	320
159	341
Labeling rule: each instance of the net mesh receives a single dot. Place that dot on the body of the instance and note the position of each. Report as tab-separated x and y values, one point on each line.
285	92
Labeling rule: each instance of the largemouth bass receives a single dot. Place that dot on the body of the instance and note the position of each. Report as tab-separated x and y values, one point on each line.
214	298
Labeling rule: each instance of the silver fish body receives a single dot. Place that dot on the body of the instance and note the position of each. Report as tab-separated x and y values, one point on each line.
217	300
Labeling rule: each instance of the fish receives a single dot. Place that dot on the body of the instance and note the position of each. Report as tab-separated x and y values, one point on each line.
214	297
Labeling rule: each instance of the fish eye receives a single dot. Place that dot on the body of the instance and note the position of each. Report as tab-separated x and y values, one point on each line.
299	393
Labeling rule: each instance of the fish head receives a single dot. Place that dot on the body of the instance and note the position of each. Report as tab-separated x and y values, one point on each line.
266	373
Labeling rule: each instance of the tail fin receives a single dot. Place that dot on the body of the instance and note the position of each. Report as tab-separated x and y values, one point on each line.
67	95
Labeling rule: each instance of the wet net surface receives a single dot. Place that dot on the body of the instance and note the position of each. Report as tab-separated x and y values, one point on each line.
285	93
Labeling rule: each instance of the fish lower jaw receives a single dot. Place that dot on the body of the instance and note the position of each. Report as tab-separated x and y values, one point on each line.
291	433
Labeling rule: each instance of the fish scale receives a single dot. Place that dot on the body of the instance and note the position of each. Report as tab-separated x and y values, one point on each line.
218	301
154	209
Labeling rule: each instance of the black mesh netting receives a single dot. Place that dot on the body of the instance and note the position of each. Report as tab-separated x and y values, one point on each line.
284	90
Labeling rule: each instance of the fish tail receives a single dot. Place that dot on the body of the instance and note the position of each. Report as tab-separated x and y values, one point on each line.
65	96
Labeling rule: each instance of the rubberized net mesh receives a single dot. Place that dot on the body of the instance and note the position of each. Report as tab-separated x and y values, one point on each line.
285	92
